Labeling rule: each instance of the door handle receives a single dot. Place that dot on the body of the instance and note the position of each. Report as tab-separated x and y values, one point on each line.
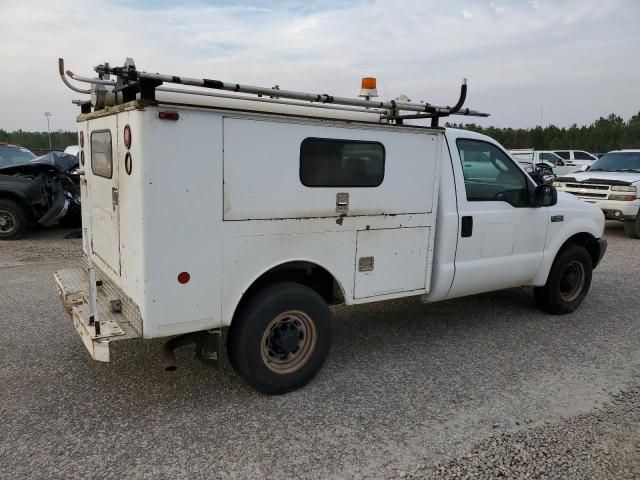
466	227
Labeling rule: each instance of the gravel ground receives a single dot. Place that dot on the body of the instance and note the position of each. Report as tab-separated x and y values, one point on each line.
604	444
407	388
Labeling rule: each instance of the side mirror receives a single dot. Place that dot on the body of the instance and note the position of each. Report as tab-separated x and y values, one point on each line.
540	178
585	168
545	196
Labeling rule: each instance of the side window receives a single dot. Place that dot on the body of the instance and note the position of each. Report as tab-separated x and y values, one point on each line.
565	155
101	156
548	157
327	162
490	175
582	156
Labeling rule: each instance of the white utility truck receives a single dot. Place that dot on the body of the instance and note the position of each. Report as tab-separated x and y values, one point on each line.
612	183
234	220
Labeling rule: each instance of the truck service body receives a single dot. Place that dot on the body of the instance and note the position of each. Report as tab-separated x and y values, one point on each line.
211	217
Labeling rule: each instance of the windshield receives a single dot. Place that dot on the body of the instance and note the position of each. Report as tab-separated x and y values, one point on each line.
617	162
12	155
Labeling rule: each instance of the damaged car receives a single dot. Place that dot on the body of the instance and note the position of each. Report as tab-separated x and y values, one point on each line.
34	190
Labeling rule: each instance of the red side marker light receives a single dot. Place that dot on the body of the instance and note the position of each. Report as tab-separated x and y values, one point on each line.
183	277
168	115
127	136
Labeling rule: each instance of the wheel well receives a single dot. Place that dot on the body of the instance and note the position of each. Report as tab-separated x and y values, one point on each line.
587	241
306	273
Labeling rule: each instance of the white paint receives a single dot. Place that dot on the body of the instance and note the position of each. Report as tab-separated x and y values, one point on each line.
400	261
105	241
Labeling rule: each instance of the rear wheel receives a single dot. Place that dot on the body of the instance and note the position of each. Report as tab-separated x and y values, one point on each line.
568	283
632	227
13	220
280	338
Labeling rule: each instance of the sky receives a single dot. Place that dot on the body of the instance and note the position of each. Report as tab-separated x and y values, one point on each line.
565	61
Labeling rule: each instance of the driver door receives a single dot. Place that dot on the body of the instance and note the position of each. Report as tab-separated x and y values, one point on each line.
500	237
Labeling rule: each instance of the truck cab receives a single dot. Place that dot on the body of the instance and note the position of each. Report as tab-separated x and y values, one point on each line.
236	222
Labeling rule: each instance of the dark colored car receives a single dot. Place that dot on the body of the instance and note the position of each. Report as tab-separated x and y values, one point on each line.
36	190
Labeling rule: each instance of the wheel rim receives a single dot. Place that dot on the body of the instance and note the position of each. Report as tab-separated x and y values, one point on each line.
8	221
288	341
572	281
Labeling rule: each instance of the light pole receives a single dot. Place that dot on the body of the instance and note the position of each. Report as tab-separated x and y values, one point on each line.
48	114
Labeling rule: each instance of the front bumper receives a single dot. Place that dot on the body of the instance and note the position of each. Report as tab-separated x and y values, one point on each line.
615	210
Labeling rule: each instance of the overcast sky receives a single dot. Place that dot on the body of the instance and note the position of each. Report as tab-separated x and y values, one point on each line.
576	59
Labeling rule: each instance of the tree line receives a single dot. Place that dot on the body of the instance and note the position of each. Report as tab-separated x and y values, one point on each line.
603	135
40	140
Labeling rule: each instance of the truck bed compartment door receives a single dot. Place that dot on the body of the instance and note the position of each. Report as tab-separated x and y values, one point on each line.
391	260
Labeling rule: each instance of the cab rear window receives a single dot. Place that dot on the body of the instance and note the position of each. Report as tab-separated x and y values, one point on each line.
101	153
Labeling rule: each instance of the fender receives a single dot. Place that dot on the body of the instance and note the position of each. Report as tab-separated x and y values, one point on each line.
230	305
574	222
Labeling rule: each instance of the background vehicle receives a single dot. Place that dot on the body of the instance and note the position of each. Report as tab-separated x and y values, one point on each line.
14	155
305	207
544	159
40	190
612	183
533	157
574	160
72	150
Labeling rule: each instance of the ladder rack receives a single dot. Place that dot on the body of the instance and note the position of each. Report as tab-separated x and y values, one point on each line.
131	83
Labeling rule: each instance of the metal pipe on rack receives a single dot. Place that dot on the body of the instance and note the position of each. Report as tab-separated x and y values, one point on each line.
269	100
67	82
134	75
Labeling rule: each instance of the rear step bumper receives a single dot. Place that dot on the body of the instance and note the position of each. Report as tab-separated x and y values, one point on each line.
73	287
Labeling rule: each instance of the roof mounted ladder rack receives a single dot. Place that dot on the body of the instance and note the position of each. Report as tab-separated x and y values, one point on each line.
131	82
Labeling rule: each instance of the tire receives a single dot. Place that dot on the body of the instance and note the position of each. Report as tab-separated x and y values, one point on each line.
13	220
632	227
568	282
280	338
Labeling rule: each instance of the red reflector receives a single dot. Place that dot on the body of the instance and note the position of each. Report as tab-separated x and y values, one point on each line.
184	277
81	139
168	115
127	136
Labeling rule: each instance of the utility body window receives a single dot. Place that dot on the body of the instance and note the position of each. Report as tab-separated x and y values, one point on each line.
101	153
490	175
327	162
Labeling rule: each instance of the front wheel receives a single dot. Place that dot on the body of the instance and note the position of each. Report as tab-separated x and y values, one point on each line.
568	282
280	338
632	227
13	220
